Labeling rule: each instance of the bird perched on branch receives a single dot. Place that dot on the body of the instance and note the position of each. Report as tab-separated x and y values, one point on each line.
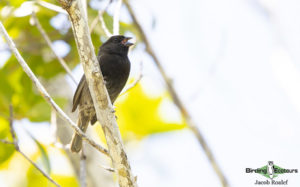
115	68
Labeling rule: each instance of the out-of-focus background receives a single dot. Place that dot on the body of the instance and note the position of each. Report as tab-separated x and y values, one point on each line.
235	64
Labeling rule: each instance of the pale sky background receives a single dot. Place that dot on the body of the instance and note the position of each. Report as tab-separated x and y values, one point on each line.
235	64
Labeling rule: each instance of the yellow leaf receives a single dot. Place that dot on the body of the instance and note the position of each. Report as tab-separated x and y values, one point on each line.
138	115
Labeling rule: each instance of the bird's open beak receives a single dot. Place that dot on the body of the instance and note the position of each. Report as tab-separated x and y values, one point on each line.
126	42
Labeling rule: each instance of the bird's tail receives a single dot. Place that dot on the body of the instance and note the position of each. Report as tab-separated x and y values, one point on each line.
76	143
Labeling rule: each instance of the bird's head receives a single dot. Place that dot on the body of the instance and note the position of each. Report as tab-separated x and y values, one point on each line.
117	44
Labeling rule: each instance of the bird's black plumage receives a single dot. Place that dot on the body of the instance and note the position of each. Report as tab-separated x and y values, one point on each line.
115	68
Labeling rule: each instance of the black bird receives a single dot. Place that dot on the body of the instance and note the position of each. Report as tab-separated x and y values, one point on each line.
115	67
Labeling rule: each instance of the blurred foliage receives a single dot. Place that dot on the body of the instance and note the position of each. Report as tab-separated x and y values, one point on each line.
137	113
5	150
16	87
138	116
36	179
45	158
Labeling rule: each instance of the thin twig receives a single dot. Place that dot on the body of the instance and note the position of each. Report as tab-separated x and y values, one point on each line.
51	6
45	94
139	77
177	100
94	24
38	168
116	19
82	175
6	142
49	42
100	18
103	25
16	145
11	128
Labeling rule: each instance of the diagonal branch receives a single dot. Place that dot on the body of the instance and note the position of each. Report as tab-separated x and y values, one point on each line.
191	124
50	6
6	142
11	128
16	145
37	23
82	175
38	168
102	22
103	25
102	103
44	93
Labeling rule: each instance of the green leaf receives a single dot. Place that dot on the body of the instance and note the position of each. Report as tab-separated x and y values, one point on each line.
67	181
138	115
16	87
6	150
36	179
45	158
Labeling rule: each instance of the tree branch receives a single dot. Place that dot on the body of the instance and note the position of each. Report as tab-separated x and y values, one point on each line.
177	100
116	19
82	175
50	6
16	145
103	25
11	128
102	103
102	22
6	142
38	168
44	93
37	23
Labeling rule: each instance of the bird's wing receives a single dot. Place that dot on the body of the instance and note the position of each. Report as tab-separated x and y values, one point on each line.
78	92
77	95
